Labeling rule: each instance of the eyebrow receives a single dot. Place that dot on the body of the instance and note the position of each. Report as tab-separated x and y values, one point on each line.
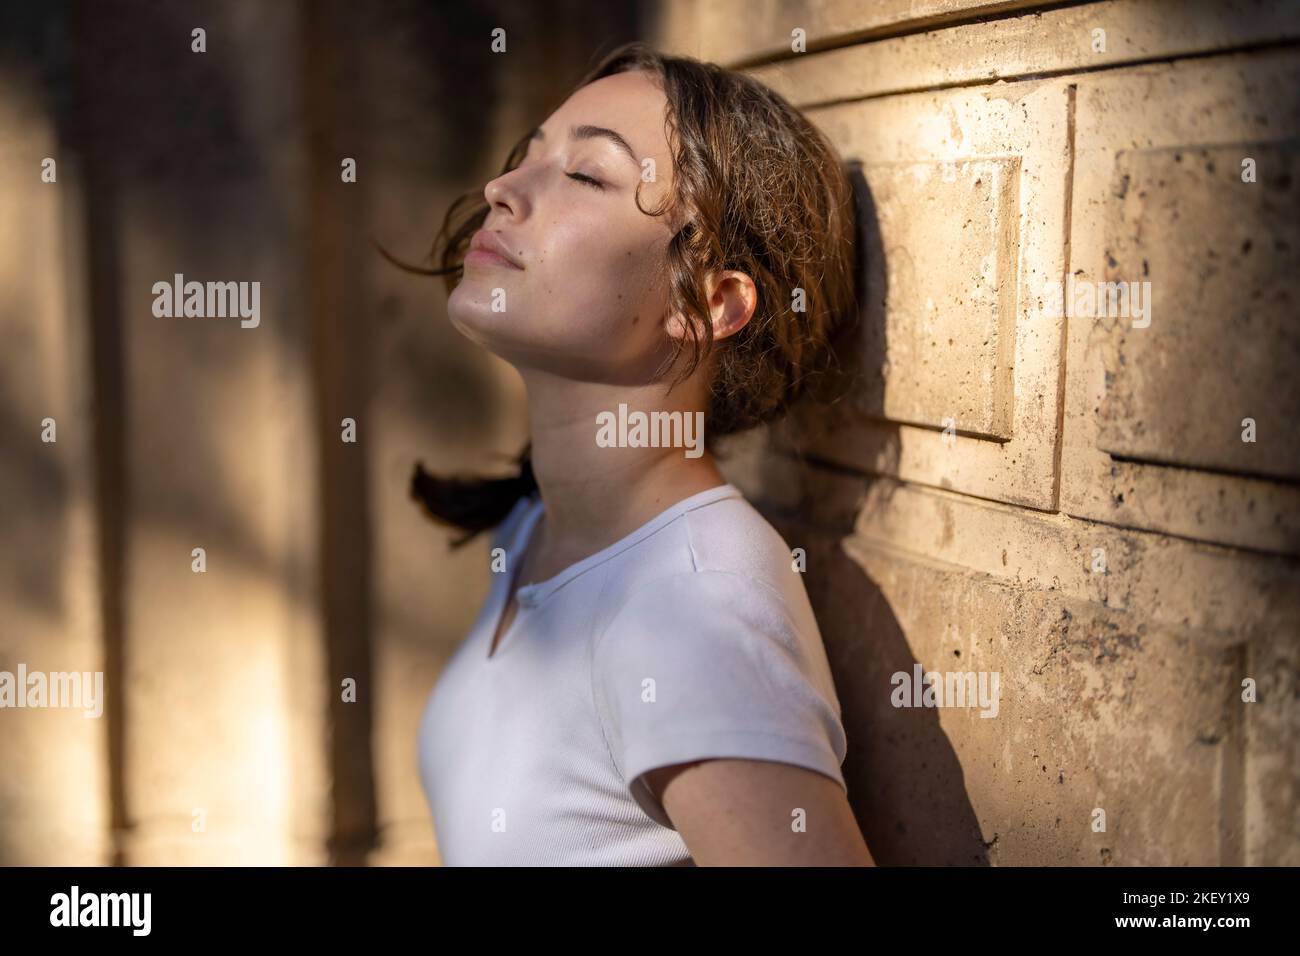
595	132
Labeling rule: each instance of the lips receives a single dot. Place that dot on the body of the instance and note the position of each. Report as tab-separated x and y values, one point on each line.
488	248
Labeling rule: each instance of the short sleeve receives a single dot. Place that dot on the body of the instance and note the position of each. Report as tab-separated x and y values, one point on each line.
711	664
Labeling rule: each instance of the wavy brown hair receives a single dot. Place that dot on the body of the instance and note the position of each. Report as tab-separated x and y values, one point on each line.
757	188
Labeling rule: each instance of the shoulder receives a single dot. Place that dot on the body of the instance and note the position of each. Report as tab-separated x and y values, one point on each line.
706	647
733	540
706	619
724	549
716	626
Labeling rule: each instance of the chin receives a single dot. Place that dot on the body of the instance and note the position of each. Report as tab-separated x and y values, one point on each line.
490	330
472	326
469	307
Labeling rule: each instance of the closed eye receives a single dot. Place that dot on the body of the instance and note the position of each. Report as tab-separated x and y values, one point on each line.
587	180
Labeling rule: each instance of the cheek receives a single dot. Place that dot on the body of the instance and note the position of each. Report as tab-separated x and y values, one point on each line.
589	306
603	282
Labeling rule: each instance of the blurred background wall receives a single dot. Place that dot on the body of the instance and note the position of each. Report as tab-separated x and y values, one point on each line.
223	701
1065	500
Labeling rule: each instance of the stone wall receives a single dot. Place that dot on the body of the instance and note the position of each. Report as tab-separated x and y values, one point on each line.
1019	480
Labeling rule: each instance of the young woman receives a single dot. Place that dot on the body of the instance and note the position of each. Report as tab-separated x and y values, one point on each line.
646	683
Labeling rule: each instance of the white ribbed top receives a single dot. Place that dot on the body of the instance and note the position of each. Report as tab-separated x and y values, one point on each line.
690	638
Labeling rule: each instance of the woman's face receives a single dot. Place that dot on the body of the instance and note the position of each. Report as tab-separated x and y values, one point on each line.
585	296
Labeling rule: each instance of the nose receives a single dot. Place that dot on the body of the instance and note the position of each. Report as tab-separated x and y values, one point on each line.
504	194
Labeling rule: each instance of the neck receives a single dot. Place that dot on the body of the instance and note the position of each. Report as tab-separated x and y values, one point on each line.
595	495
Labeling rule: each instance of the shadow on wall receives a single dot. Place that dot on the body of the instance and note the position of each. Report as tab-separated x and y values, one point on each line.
905	780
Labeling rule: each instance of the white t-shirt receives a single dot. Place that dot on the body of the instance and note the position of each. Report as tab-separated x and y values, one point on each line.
690	638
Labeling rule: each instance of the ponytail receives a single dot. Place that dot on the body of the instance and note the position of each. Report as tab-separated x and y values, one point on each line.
472	505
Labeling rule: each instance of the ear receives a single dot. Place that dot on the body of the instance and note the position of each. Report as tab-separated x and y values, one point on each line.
732	298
